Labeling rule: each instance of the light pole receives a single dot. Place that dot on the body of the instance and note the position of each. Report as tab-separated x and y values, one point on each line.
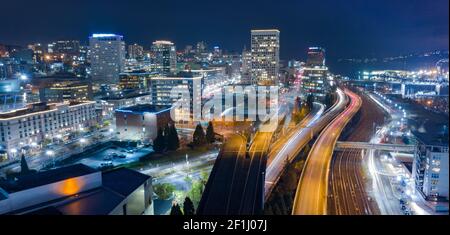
82	142
50	153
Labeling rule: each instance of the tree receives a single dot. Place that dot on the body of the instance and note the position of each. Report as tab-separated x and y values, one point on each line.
166	132
24	169
188	206
159	144
210	135
173	142
328	99
309	101
164	191
297	105
198	137
176	210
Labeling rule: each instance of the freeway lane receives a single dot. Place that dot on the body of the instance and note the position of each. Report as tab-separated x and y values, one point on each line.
347	185
286	149
312	190
302	134
252	199
216	197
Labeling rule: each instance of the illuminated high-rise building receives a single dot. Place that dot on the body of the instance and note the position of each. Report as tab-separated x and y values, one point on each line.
67	47
135	51
316	57
164	57
265	49
107	56
315	74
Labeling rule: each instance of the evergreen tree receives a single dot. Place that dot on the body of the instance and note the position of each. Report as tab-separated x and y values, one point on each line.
159	142
198	136
298	105
188	206
176	210
173	142
24	169
328	99
210	136
166	134
309	101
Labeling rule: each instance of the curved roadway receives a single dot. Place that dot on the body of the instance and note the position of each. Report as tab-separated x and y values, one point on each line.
312	190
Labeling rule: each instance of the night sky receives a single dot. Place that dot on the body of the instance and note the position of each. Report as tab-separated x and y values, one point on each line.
346	28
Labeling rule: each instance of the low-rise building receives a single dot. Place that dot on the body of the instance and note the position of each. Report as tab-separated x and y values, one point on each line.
37	121
110	103
141	122
78	190
430	172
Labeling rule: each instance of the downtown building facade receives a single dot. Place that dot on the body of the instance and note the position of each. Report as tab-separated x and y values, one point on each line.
141	122
29	126
265	54
164	57
314	79
107	57
135	51
430	173
186	88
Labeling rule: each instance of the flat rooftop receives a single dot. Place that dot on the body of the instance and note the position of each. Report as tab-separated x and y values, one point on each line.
117	185
144	108
38	107
128	96
47	177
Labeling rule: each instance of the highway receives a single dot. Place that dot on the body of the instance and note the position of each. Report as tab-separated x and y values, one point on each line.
312	190
288	147
347	183
252	198
224	175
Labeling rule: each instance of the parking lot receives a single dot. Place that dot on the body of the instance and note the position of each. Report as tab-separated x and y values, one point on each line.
114	156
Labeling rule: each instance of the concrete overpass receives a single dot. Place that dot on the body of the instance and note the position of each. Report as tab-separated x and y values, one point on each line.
341	145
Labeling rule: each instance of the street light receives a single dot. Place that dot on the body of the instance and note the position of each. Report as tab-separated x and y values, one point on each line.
50	153
13	152
23	77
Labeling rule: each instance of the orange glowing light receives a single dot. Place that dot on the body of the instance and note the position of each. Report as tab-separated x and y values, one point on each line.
71	186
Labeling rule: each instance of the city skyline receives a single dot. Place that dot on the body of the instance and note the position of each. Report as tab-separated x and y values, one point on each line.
345	30
239	108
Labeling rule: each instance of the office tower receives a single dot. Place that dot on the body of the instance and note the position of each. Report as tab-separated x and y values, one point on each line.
164	57
316	57
38	52
201	48
66	47
246	67
265	49
135	51
107	56
315	74
162	88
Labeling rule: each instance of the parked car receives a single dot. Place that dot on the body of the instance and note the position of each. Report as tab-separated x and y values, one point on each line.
106	164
